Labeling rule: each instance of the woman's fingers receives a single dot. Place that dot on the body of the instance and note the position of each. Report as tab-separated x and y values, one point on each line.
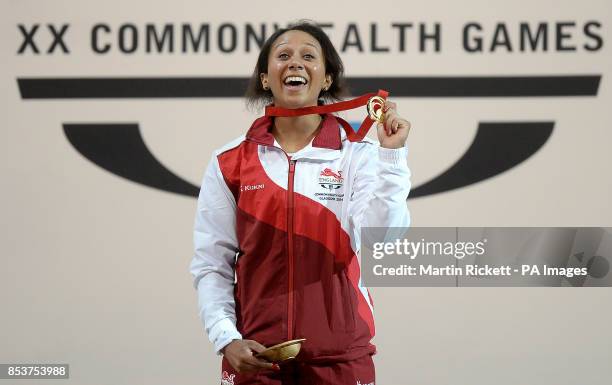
391	122
258	363
389	106
390	114
394	131
408	125
255	346
241	355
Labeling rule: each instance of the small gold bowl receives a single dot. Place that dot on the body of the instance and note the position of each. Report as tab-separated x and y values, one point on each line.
282	352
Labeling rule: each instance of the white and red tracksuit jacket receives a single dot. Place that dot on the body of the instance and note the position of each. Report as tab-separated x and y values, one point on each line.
277	239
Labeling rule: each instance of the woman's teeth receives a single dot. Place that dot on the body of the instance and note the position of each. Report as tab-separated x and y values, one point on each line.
295	80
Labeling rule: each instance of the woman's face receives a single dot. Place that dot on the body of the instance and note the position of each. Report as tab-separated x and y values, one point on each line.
296	70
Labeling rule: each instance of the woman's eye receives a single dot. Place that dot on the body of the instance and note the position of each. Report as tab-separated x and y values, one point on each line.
283	56
308	56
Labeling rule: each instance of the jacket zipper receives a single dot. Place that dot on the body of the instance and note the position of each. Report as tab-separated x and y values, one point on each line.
290	301
290	212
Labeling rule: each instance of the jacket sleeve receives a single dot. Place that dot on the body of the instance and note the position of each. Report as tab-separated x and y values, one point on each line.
380	190
212	266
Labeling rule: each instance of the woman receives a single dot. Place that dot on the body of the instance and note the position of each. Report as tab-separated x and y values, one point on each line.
277	230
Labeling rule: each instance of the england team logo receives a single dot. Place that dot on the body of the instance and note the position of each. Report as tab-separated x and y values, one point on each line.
331	180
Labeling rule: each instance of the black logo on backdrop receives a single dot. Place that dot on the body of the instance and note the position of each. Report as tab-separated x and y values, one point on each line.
497	146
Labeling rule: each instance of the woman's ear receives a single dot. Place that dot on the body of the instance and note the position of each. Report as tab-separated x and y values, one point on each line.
328	82
264	81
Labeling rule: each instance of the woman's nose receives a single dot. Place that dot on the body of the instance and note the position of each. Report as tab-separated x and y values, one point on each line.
296	65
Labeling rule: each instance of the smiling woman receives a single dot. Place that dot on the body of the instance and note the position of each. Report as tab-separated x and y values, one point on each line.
296	71
317	51
277	242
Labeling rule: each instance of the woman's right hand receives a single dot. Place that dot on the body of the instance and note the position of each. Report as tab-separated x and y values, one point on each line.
241	355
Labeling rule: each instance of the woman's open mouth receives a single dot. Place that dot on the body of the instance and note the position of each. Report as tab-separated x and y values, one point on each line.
295	83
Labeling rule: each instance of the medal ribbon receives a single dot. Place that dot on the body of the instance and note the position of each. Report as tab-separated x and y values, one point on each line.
352	135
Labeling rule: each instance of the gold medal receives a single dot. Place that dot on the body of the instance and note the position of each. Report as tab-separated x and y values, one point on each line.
375	109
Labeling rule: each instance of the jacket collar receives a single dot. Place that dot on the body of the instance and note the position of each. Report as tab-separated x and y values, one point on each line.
328	137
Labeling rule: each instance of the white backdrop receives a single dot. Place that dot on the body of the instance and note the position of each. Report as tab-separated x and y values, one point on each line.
94	266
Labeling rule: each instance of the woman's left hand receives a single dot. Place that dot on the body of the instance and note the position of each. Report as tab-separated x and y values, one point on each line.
394	132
